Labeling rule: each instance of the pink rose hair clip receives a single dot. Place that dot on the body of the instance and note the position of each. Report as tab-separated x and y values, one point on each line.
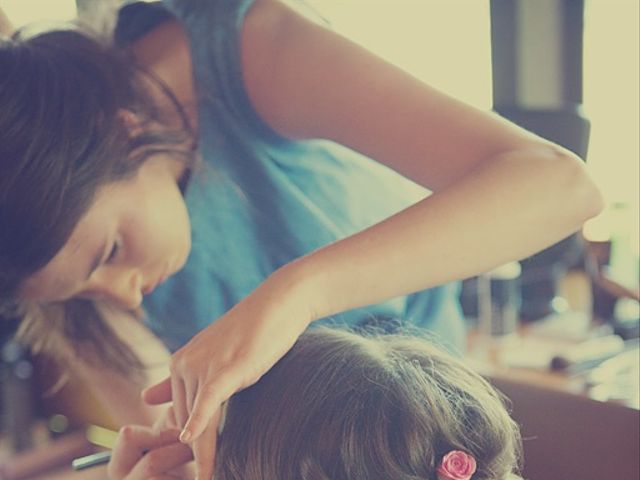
456	465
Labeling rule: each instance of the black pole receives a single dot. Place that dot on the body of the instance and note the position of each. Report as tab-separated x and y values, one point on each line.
555	113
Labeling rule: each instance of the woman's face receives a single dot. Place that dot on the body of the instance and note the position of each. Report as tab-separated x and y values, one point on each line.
131	239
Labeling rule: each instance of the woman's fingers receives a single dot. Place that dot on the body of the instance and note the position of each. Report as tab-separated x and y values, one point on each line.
190	390
131	445
204	449
170	389
158	393
207	403
168	421
160	461
179	400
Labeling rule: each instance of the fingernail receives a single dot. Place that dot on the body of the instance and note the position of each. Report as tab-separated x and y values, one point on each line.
185	436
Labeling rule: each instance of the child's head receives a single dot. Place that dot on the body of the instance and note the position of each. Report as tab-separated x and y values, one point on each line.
62	137
344	406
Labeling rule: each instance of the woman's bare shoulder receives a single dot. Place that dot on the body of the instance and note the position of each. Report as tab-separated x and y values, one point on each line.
162	45
165	51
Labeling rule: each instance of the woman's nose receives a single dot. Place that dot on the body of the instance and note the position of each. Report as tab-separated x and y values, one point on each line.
122	287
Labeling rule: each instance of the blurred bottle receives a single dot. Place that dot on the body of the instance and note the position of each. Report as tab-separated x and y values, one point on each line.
499	301
624	264
17	391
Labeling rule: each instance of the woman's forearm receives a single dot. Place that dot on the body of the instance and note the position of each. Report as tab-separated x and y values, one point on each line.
507	209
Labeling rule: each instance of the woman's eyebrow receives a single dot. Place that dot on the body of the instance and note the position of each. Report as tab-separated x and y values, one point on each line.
98	259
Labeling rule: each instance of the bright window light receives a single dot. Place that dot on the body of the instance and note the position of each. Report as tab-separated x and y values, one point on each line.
21	12
446	43
612	104
611	85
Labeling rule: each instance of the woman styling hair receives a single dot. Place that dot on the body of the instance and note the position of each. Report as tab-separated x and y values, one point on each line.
232	259
349	406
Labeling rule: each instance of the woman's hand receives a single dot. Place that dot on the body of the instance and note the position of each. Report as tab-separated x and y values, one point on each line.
144	453
231	354
154	452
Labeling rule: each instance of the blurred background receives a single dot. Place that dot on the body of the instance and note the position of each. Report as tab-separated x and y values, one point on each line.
557	332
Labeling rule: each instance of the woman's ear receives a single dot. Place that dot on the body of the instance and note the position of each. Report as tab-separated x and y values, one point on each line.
131	121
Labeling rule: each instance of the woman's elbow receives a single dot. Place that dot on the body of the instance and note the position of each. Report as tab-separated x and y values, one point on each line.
582	197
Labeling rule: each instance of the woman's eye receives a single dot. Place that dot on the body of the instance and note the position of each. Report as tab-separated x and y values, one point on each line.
114	251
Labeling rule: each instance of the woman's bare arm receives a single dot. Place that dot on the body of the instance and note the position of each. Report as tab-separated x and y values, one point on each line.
501	193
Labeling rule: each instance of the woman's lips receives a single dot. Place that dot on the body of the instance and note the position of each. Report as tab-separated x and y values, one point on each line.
148	290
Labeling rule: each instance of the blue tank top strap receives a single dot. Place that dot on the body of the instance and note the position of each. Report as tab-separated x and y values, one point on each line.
214	28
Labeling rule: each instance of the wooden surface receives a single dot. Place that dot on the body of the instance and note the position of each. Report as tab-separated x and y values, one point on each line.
50	460
93	473
493	360
568	436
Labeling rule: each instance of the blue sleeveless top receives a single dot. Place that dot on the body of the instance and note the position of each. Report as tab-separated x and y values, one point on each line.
259	200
